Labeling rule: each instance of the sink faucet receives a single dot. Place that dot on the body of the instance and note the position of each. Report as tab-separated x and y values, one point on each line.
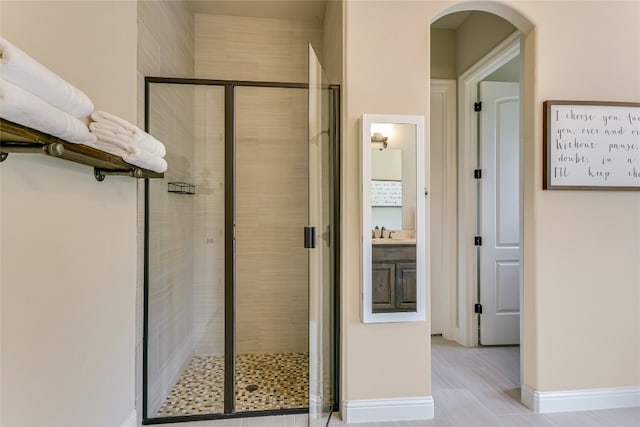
391	233
382	232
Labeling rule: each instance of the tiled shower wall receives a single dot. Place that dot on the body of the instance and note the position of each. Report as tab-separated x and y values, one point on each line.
166	48
271	198
171	228
271	285
258	49
208	297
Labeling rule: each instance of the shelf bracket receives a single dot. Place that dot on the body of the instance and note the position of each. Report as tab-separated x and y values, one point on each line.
54	149
101	174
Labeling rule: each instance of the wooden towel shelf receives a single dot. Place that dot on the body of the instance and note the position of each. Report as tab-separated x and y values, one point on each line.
15	138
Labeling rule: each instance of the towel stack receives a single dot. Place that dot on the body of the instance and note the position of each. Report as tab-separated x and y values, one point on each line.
121	138
34	96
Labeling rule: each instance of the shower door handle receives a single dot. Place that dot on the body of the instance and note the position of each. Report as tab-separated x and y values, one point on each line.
309	237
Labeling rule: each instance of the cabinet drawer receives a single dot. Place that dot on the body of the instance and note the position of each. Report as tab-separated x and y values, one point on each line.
386	253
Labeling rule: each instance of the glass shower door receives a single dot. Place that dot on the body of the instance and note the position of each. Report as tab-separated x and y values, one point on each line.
271	336
321	239
184	339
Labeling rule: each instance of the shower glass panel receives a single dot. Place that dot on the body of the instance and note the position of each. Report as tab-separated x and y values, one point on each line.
271	262
323	217
185	270
226	271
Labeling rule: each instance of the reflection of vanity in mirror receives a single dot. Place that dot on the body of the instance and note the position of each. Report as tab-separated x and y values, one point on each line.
393	218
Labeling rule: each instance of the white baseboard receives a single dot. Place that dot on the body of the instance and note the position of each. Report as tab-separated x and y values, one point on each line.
131	420
580	400
380	410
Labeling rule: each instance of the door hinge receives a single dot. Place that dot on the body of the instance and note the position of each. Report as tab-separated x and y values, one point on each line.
477	240
477	309
477	173
477	106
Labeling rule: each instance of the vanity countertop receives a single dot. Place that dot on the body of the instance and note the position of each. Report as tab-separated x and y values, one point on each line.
393	241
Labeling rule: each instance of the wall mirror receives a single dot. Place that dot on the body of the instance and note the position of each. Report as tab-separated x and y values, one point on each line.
393	218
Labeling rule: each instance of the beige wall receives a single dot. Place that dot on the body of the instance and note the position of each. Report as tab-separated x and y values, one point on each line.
477	35
68	265
562	276
379	360
587	243
443	54
454	51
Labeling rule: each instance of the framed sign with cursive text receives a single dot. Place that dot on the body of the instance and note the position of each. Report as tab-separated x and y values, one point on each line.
591	145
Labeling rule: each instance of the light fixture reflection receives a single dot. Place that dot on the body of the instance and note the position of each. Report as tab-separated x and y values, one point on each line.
380	133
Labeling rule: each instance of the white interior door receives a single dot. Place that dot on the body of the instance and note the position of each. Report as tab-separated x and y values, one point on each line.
500	213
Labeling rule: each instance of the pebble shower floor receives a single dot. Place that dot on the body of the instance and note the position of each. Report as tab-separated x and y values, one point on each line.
282	381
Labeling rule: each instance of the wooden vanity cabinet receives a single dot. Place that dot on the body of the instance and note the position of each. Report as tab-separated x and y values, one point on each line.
394	283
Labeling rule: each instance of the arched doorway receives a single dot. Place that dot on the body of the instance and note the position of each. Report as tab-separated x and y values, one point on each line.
462	278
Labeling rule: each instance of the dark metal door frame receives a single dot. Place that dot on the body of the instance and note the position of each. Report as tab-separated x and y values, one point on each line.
230	204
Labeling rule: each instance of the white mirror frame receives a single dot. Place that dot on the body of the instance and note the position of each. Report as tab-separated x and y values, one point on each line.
366	310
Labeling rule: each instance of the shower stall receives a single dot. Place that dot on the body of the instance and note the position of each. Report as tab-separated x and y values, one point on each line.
239	302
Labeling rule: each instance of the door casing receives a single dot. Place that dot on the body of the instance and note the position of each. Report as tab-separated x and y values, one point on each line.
467	185
441	160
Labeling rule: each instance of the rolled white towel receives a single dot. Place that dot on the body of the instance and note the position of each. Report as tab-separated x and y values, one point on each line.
22	70
146	160
24	108
130	132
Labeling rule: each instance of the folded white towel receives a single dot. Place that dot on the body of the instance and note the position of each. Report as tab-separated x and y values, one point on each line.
129	133
146	160
24	108
107	147
113	120
112	129
22	70
110	138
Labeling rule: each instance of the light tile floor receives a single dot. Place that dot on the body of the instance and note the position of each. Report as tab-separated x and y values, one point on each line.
472	387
